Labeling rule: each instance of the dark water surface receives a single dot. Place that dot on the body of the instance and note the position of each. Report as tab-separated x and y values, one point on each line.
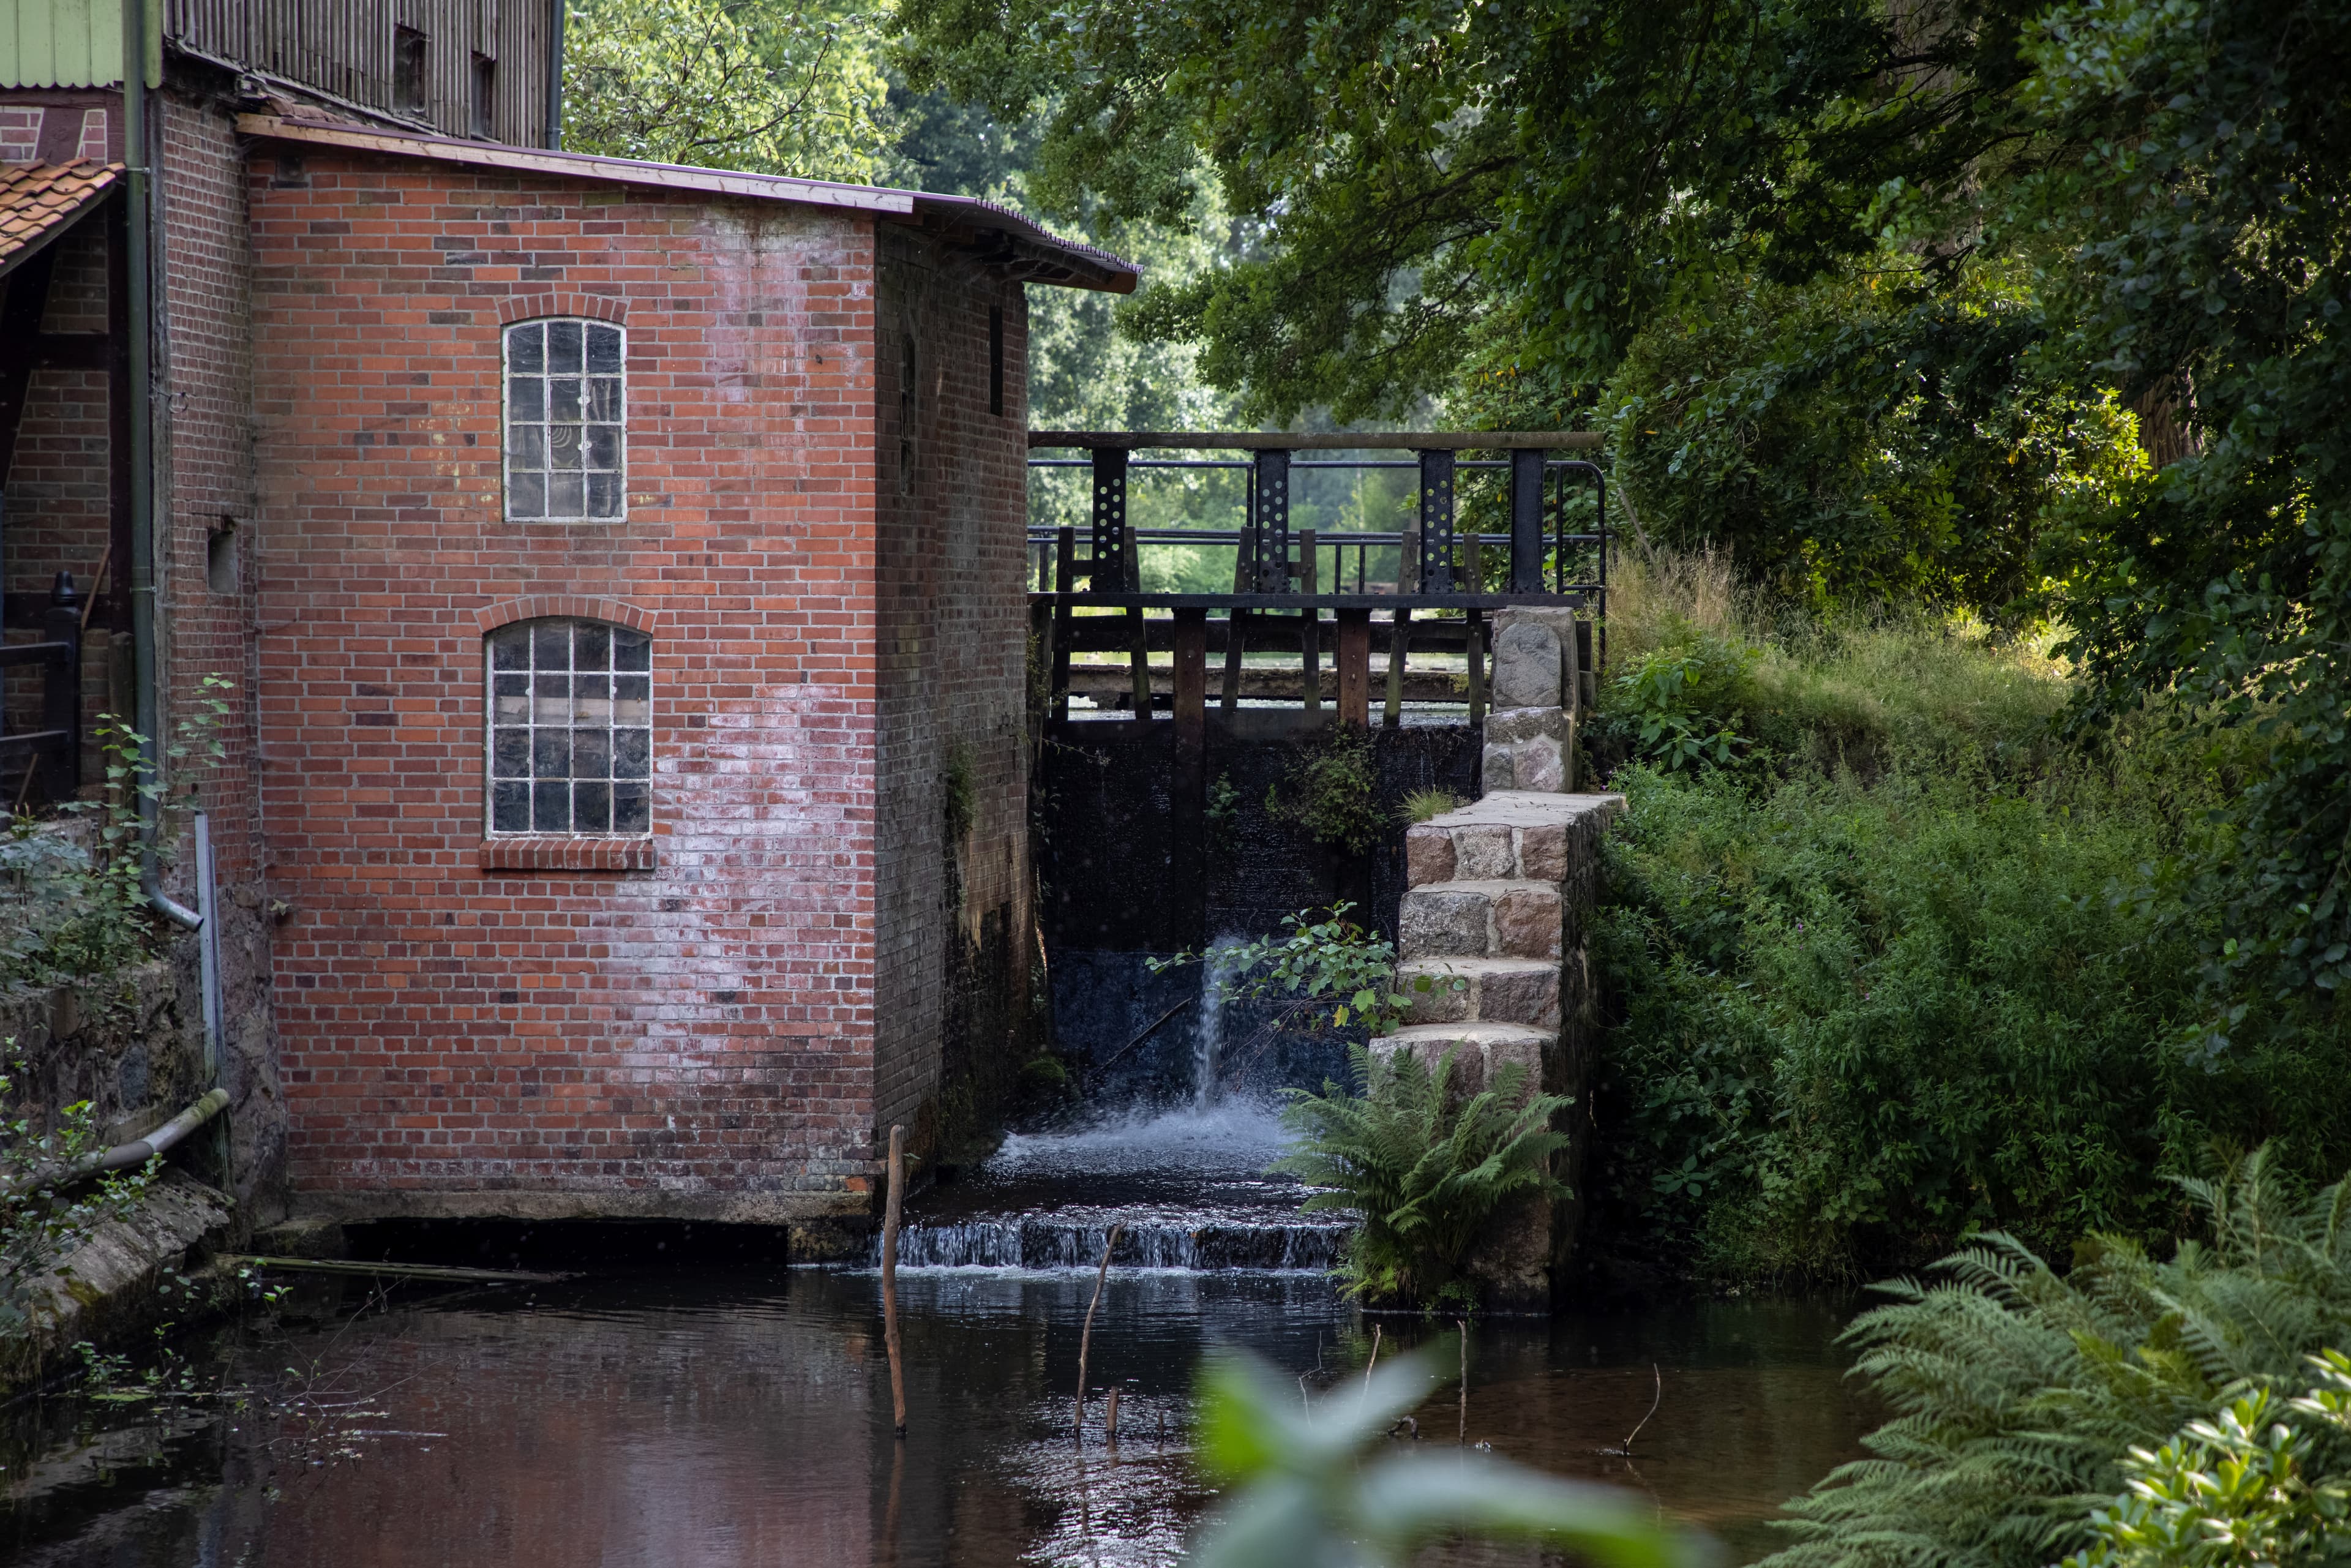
708	1416
690	1417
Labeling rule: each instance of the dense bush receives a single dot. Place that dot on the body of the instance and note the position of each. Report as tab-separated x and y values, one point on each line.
1857	1016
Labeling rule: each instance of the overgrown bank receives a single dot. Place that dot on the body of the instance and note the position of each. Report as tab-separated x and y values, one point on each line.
1889	962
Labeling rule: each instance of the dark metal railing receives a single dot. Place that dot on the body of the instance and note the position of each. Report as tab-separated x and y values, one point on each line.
1277	590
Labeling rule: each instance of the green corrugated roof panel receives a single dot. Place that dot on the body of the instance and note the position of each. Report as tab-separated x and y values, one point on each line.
71	43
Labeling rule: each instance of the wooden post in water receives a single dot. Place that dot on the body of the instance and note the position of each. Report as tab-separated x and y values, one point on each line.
1188	783
1398	635
1355	667
1110	1416
1311	627
890	1215
1477	651
1065	568
1086	1337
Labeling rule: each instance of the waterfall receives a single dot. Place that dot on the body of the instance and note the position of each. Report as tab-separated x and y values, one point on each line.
1209	1025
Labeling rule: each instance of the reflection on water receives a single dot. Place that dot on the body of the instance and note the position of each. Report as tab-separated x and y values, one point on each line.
689	1418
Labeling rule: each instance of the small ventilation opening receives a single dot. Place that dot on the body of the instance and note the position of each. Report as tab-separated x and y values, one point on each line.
996	359
408	70
220	557
486	98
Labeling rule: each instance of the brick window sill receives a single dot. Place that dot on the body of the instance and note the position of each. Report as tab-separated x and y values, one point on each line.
562	852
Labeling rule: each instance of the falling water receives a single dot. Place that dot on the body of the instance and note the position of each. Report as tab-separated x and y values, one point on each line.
1208	1025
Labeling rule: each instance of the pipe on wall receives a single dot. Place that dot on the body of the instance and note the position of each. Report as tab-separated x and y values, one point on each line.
555	74
123	1156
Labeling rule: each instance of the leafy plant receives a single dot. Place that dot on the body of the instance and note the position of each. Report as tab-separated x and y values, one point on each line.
2019	1394
1682	703
1325	973
1314	1490
1329	792
1423	1164
2261	1482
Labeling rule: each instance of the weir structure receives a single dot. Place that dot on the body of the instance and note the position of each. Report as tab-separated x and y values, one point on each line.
1492	899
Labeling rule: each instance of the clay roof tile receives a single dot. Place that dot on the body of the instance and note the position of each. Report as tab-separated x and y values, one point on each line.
41	201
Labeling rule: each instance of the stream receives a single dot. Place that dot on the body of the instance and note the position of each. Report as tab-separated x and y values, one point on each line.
699	1408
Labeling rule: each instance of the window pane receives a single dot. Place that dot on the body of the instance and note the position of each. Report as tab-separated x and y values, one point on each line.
592	807
604	446
591	646
527	347
563	347
564	496
510	808
591	753
526	446
632	807
527	496
603	495
604	400
563	397
511	754
631	702
550	753
563	446
511	649
591	700
551	808
604	349
630	754
550	642
632	651
525	398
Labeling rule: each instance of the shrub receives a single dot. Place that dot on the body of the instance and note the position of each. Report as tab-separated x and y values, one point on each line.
2019	1394
1329	789
43	1220
1423	1165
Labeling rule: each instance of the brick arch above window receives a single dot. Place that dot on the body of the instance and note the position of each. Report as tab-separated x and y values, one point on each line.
542	606
593	307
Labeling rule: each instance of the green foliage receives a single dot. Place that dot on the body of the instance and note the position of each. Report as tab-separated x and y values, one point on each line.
767	85
2019	1394
1314	1489
1223	812
959	796
2261	1482
1420	805
1681	704
1854	1021
1329	792
43	1220
1325	973
1424	1164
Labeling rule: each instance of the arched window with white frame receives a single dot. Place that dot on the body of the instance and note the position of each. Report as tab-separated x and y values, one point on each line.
566	422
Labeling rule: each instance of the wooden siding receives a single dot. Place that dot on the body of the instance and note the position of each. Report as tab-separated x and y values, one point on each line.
345	48
69	43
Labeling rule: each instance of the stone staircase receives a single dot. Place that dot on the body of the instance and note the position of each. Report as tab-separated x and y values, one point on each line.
1499	898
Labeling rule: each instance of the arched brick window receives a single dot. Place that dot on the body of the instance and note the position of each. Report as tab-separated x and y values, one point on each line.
570	731
567	448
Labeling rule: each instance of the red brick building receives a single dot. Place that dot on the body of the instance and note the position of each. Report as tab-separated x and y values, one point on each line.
620	572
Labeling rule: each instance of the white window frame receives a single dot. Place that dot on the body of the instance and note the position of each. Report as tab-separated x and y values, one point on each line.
513	429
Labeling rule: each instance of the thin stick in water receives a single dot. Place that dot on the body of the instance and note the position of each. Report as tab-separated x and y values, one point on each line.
889	1216
1626	1451
1375	1358
1110	1416
1085	1339
1462	1434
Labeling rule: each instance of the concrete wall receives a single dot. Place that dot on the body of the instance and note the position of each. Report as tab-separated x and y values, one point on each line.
580	1027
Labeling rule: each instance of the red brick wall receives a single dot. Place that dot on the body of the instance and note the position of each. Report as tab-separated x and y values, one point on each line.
953	925
691	1039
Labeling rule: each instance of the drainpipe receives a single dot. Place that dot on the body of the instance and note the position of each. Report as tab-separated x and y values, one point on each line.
139	314
555	74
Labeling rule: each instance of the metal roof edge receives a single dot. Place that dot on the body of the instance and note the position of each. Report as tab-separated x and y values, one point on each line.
579	165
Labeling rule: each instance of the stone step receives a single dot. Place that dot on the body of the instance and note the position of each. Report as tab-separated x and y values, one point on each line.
1509	834
1478	1048
1482	990
1491	918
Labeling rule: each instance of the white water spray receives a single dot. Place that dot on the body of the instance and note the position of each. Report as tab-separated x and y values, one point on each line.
1208	1023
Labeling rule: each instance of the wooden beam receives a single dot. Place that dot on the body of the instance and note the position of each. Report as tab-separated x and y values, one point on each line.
1139	661
1191	676
1355	667
1399	641
1310	632
1065	559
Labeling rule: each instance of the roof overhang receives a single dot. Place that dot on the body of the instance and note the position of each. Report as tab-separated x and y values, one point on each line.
40	202
993	235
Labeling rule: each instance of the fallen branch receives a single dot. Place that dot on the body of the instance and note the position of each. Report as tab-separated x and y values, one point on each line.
397	1270
1626	1451
1085	1339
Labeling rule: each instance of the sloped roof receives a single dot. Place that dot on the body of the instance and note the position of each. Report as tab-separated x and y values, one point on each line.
994	234
39	202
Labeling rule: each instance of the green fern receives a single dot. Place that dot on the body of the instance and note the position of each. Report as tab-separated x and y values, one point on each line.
1423	1165
2018	1394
